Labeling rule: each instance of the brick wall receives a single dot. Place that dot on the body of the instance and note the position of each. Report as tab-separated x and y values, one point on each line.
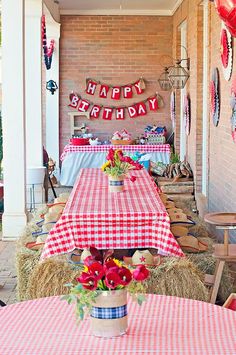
221	149
115	50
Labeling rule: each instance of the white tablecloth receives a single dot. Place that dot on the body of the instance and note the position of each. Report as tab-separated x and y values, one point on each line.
73	161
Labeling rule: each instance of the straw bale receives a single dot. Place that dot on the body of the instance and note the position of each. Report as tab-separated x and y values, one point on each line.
26	260
177	277
49	278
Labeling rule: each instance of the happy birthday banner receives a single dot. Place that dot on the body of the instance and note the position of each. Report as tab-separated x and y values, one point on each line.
118	91
135	110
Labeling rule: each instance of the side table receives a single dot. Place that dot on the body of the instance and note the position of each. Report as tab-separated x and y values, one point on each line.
222	252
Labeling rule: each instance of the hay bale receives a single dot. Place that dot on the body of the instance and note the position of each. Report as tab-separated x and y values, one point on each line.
177	277
26	260
206	263
49	278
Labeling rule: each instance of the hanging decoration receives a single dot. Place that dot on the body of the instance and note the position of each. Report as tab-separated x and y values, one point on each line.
117	91
226	52
215	96
135	110
233	107
226	9
173	109
186	114
47	51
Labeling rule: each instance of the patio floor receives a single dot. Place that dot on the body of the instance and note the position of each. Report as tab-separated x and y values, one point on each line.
8	272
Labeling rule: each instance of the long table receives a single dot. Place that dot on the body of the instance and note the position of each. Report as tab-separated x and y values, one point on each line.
74	158
163	325
93	216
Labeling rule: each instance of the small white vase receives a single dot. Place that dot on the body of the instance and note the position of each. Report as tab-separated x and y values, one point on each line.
116	184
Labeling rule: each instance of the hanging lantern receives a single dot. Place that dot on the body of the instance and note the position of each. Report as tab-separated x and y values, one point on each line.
51	86
164	81
178	76
142	83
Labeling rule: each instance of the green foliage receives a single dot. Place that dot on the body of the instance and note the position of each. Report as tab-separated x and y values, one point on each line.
174	158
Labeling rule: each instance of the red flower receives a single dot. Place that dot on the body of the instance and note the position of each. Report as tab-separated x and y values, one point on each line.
88	281
112	279
127	160
89	260
110	264
96	270
125	275
140	273
132	178
110	155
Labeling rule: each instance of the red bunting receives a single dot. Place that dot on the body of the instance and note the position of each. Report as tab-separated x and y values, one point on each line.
120	113
95	111
137	86
107	113
141	109
132	111
91	87
74	100
115	93
153	103
83	106
104	91
127	92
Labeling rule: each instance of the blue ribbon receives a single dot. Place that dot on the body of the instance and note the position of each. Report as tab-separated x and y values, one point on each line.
109	313
116	183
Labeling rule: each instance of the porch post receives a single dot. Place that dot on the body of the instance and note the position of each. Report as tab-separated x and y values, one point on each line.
13	114
52	101
33	83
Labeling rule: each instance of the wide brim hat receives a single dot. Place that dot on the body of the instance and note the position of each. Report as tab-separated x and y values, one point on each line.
178	231
191	244
169	204
181	219
34	245
174	210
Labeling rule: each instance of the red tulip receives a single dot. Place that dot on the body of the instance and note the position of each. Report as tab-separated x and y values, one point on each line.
140	273
112	280
110	155
88	281
125	275
96	270
110	264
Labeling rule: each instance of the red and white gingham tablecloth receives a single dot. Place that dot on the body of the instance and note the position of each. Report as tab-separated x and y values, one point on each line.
163	148
93	216
162	325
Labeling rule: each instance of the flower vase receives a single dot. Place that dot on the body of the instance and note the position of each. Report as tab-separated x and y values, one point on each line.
109	314
115	183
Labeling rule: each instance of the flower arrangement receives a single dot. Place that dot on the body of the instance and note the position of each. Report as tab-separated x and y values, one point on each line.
119	165
105	274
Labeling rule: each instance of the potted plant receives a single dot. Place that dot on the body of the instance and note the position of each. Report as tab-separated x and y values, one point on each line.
101	290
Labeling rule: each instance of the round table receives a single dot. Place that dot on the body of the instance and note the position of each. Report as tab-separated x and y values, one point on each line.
162	325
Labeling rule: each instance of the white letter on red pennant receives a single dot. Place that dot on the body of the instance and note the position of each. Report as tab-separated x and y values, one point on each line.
83	106
137	86
74	100
120	113
132	111
91	87
141	109
107	113
94	113
115	94
104	91
153	104
127	92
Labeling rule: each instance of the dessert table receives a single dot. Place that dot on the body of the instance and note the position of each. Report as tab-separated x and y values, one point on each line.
74	158
93	216
162	325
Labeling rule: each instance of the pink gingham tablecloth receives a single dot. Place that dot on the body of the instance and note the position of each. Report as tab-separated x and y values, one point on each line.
162	325
93	216
163	148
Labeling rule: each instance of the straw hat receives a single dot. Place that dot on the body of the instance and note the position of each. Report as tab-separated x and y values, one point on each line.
142	257
191	244
175	210
179	231
181	218
169	204
85	254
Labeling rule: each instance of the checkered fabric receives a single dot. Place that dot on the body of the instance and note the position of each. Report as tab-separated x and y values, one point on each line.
93	216
162	325
109	313
163	148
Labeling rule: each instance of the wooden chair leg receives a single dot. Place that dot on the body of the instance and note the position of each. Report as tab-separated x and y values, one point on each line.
218	274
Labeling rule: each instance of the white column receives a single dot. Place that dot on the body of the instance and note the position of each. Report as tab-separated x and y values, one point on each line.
33	82
52	101
13	113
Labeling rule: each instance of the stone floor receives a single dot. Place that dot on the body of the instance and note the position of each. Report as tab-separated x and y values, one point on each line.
7	272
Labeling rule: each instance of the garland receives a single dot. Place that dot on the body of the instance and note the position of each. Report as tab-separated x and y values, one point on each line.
47	51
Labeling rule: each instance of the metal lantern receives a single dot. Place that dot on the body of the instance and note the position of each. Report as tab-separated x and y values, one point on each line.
178	76
164	81
51	86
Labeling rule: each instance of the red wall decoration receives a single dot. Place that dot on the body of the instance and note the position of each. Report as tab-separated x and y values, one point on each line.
215	96
226	52
226	9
